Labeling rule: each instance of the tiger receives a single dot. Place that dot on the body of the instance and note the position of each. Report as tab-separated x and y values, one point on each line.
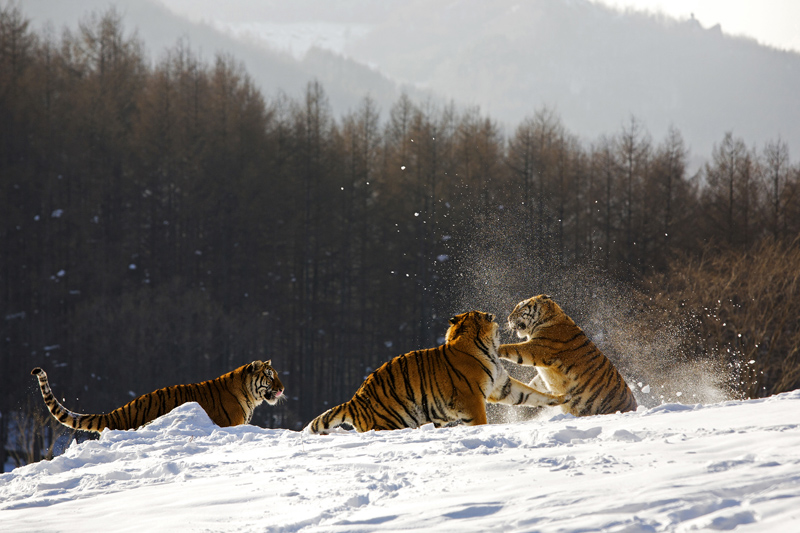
566	360
446	385
229	400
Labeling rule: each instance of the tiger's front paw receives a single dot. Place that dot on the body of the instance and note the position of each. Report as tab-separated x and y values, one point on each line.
560	399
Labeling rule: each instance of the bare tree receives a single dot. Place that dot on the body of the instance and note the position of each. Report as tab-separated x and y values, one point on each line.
608	168
634	158
776	176
668	193
728	178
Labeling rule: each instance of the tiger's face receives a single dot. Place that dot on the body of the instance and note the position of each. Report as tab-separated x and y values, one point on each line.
530	313
264	382
474	324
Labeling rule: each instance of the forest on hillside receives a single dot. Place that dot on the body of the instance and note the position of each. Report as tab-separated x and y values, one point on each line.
164	222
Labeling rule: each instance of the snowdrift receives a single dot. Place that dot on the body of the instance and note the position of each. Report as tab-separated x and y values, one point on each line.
732	465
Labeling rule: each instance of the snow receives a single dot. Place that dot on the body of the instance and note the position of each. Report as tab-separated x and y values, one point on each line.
674	467
299	37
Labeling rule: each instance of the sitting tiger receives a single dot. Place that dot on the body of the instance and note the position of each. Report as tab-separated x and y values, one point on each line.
229	400
566	360
445	385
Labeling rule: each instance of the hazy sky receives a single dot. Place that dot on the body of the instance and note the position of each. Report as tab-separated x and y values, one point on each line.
771	22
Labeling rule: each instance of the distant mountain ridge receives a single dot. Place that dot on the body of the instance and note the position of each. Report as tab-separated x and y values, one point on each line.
595	66
346	82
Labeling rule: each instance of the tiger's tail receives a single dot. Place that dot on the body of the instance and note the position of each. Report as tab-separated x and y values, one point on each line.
64	415
333	417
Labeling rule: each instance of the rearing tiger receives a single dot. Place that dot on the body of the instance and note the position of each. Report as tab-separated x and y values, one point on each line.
566	360
444	385
229	400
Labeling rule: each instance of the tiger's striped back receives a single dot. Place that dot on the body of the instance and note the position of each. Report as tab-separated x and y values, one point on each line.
445	385
567	361
229	400
402	393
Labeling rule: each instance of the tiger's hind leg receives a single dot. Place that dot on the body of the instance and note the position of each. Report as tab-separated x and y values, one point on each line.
513	392
471	410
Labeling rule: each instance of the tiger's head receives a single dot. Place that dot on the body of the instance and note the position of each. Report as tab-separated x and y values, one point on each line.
532	313
474	325
263	382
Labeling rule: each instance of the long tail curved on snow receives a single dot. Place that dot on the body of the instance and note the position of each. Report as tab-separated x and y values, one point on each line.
64	415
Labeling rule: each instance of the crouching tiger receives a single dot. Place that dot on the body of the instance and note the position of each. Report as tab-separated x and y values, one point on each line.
229	400
566	360
444	385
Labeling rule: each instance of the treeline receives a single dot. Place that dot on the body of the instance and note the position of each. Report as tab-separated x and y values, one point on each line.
165	222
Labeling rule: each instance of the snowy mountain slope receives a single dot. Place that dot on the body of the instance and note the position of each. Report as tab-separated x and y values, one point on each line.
596	66
733	465
273	70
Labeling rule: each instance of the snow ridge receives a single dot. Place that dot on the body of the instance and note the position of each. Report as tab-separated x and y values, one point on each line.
732	465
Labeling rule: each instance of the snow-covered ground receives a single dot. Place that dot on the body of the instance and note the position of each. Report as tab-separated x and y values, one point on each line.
732	465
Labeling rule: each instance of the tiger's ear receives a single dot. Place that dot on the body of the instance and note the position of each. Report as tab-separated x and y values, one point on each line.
269	362
454	331
255	366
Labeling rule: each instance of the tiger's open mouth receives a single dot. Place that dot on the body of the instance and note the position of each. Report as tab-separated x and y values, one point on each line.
519	327
271	396
275	397
516	325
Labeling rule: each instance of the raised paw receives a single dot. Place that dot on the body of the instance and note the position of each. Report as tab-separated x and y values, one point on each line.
559	399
